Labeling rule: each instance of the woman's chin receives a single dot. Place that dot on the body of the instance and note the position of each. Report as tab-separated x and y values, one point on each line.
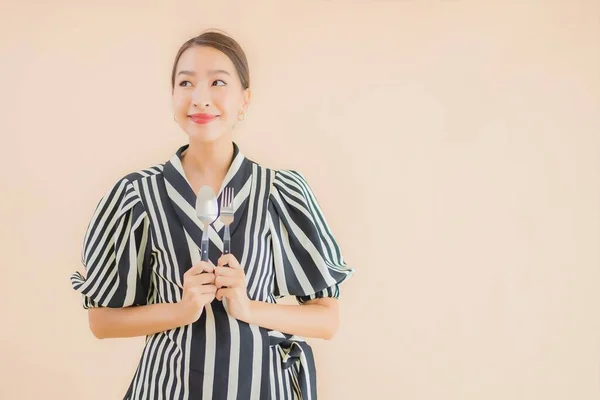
204	134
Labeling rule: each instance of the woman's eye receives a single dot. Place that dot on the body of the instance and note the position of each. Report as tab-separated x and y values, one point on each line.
216	83
183	83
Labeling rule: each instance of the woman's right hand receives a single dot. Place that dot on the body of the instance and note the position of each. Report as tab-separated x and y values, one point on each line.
198	290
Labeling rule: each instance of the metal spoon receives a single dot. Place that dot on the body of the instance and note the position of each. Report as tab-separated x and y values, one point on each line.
207	210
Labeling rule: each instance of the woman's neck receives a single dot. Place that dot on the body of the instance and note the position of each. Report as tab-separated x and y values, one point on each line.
207	163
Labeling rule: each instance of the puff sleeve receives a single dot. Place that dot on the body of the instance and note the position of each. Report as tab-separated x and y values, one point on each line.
307	259
115	251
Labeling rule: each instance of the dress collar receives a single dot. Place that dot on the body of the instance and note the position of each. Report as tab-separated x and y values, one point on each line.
183	198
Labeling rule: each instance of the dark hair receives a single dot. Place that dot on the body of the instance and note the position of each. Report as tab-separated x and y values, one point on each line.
225	45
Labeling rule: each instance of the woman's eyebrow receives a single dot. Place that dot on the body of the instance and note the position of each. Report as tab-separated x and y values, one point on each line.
210	72
218	71
191	73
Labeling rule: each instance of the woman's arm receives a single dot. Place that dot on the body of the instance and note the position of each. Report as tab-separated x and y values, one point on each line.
198	290
318	318
134	321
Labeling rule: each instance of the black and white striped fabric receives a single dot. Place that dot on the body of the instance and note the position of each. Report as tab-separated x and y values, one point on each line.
144	235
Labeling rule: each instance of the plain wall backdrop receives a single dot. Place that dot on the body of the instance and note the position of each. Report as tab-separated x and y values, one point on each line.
454	147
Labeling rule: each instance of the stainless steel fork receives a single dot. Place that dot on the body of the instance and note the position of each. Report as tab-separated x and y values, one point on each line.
227	217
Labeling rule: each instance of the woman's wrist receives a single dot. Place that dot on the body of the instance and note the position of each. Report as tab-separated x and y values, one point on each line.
182	314
250	317
317	318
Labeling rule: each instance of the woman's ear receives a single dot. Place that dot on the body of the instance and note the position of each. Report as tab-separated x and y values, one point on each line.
247	94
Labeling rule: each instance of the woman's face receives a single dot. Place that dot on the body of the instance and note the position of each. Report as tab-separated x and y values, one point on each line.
208	94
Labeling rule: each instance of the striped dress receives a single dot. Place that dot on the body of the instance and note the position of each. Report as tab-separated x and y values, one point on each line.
144	235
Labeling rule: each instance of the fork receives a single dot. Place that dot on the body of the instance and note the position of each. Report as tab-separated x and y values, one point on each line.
227	217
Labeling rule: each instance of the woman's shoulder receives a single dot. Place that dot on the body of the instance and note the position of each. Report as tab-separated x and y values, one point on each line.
289	187
279	175
289	179
125	190
136	176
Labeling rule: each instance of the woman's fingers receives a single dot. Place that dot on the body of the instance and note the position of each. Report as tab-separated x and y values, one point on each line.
207	289
226	281
199	268
201	293
229	260
203	274
204	278
194	270
228	272
200	274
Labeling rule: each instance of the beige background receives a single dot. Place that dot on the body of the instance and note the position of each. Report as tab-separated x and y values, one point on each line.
454	146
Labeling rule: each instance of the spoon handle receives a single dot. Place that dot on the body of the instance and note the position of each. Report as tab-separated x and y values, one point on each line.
204	245
226	241
204	250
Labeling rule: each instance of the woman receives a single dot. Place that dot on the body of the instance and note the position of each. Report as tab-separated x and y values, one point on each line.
142	255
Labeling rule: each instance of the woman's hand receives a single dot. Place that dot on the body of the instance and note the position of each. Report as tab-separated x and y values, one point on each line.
198	290
317	318
231	284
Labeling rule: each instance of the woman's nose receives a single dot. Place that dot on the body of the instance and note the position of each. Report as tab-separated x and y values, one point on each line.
200	97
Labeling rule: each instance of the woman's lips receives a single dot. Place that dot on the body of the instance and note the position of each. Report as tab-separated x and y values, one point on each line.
202	118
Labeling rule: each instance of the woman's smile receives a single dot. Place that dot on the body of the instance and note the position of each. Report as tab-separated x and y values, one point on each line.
202	118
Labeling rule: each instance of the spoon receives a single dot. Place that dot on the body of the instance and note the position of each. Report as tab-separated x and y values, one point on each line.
207	210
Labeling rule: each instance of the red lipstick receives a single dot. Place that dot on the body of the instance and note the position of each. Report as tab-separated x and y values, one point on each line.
202	118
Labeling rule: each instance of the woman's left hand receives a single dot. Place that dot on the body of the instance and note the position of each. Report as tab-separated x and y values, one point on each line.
231	283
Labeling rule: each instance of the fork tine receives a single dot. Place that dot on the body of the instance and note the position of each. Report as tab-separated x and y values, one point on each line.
227	198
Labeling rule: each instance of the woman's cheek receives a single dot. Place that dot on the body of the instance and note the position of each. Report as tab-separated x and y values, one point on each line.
180	106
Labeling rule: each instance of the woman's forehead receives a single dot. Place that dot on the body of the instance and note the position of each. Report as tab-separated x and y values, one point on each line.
204	60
